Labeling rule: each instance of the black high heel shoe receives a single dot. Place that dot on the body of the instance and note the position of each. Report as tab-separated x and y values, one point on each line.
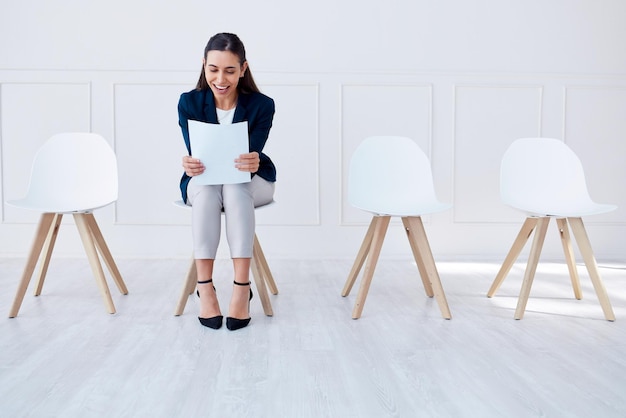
214	322
234	324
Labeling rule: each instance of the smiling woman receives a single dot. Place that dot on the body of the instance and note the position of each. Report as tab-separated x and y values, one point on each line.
226	93
222	72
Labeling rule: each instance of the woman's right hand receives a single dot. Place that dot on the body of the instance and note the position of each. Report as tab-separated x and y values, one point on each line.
192	166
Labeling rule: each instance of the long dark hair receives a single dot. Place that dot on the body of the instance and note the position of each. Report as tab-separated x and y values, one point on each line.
229	42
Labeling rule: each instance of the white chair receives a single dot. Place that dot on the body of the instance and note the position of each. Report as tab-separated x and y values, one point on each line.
544	178
260	272
391	176
72	173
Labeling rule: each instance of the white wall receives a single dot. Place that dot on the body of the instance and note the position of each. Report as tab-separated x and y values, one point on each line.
463	78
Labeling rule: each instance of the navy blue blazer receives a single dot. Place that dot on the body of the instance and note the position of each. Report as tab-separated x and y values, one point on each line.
256	108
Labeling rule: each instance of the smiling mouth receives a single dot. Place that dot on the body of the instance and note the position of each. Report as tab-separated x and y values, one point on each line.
220	88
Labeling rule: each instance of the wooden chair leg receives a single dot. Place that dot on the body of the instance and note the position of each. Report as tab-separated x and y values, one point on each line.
418	258
47	252
264	267
570	259
104	251
531	267
360	258
417	235
590	262
520	241
259	280
92	254
192	277
43	228
188	287
381	223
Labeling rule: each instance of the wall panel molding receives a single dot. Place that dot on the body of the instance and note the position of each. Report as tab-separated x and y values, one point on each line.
376	108
594	126
463	120
31	113
487	119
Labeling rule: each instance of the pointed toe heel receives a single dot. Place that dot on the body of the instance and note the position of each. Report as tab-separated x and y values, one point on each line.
234	324
214	322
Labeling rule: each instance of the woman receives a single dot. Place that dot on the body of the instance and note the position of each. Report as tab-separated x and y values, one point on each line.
226	93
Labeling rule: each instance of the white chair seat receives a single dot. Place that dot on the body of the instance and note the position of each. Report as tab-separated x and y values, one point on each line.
575	209
414	210
36	204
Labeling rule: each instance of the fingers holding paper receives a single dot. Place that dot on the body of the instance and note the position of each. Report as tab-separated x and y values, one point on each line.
248	162
192	166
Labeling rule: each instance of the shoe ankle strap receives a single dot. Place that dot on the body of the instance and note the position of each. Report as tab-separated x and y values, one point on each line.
241	284
205	281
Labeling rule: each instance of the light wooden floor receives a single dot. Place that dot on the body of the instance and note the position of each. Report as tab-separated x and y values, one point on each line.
64	356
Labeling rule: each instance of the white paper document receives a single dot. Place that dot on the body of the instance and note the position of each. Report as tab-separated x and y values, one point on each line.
217	146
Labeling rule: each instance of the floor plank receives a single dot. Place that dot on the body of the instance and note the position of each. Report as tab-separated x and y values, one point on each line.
64	356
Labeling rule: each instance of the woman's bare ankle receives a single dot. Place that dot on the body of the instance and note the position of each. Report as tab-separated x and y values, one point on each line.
209	305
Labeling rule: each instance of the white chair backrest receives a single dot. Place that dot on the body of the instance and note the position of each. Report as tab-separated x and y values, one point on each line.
391	175
544	176
72	172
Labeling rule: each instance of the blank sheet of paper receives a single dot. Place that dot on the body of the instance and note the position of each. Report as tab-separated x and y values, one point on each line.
217	146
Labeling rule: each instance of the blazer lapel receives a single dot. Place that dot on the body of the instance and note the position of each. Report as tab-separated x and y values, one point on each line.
210	114
240	110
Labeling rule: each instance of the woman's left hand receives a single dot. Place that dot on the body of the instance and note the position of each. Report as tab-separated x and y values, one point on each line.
248	162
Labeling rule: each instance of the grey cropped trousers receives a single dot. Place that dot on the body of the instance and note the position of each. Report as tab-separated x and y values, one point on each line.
237	203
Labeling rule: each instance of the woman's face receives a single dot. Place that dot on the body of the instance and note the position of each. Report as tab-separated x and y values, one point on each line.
223	71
